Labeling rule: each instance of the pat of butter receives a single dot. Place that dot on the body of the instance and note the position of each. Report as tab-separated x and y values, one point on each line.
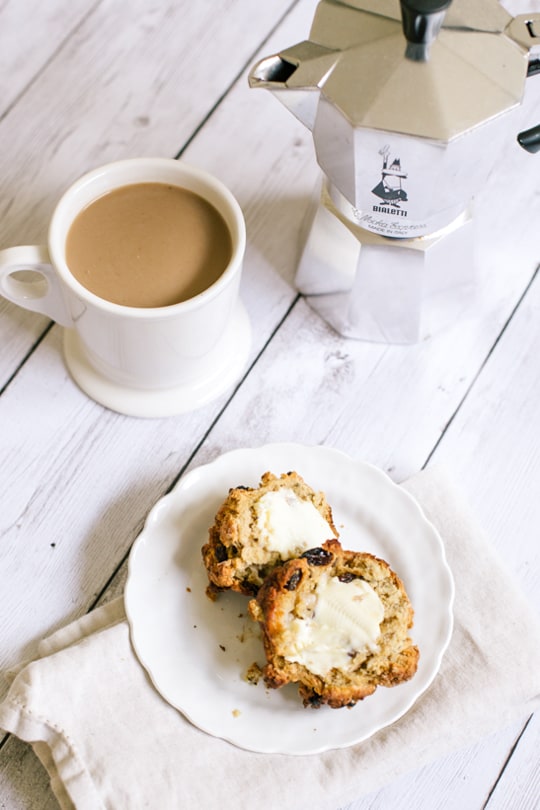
289	525
346	619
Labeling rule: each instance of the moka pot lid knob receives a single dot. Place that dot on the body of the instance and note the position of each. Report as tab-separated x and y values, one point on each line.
421	21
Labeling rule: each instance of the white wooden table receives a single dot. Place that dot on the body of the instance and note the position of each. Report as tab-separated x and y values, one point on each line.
86	82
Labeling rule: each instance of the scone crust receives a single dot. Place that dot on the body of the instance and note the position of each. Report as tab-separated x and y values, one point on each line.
286	593
231	555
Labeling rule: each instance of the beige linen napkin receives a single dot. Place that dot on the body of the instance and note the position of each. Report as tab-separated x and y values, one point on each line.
109	741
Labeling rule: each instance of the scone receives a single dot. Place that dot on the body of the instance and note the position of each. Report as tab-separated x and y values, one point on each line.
337	623
258	528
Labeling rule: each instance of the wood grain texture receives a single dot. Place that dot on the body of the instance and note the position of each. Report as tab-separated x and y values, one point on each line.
519	784
33	791
464	780
24	55
493	445
24	51
77	481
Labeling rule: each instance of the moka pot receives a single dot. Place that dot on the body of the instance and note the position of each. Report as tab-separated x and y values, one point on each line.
410	105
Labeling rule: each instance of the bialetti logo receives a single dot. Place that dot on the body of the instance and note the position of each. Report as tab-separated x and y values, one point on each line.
390	187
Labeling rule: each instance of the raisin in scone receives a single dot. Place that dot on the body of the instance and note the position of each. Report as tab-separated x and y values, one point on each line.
258	528
337	623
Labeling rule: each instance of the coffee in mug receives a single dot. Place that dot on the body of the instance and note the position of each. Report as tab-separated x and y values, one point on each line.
115	239
142	267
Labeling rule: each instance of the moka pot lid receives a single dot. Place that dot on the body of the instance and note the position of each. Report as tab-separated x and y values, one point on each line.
356	57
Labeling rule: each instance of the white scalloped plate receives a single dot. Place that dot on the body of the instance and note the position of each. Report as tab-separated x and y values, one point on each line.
196	651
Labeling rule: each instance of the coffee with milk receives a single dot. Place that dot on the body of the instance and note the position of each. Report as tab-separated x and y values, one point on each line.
148	245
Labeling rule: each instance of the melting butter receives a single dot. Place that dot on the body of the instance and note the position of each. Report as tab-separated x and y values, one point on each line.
346	619
289	525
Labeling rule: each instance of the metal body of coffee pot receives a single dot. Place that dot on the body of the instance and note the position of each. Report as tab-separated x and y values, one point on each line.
410	105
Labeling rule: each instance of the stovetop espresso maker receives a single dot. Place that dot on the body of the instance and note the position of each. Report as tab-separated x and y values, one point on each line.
410	104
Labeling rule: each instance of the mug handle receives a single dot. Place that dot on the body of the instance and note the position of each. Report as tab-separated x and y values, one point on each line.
28	279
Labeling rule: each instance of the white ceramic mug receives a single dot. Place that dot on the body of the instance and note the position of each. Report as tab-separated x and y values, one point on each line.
154	361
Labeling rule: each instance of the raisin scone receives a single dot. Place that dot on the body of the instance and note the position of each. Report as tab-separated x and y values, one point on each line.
337	623
258	528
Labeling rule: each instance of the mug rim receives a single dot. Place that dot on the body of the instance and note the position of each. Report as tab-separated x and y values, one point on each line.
209	181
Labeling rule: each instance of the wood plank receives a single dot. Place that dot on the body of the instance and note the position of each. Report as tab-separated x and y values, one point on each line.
492	446
24	50
31	793
24	54
519	785
461	779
